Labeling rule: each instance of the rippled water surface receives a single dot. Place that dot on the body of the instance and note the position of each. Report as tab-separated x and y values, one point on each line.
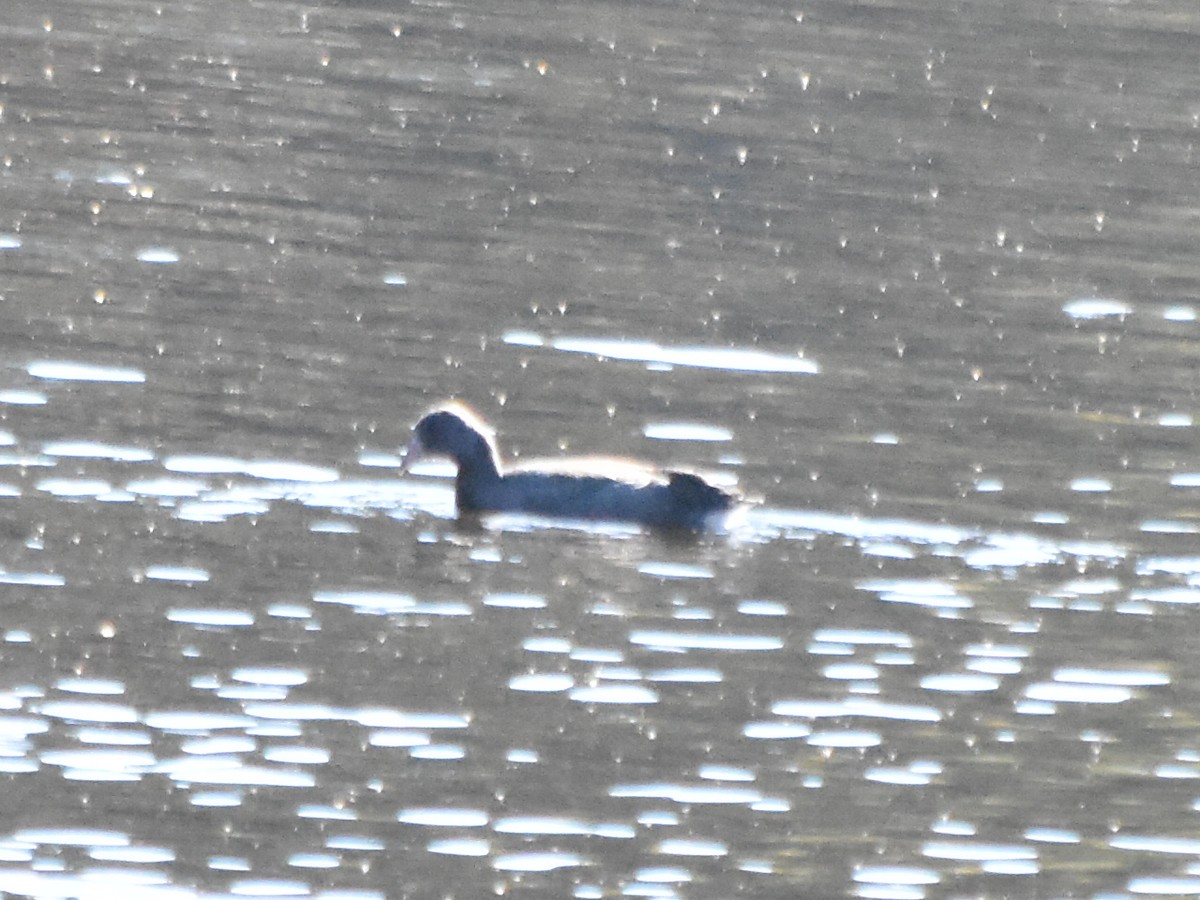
920	278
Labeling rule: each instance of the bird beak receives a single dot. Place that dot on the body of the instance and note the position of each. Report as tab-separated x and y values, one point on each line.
411	455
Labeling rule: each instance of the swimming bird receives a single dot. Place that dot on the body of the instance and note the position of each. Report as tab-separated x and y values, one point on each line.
595	488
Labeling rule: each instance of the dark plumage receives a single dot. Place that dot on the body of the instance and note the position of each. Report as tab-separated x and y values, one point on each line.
571	488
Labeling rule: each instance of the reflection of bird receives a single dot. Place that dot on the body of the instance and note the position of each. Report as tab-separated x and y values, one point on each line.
570	488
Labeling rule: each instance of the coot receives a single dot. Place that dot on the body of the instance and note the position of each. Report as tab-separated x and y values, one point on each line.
572	488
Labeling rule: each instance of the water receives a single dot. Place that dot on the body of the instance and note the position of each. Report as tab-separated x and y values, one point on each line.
920	280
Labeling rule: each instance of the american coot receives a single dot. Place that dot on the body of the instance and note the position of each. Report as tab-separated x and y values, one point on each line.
572	488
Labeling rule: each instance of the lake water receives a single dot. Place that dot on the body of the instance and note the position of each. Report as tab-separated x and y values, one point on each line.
920	278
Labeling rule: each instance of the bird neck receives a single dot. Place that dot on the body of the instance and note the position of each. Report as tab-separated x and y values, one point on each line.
477	471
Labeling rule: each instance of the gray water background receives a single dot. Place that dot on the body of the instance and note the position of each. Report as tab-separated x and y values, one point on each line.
920	277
